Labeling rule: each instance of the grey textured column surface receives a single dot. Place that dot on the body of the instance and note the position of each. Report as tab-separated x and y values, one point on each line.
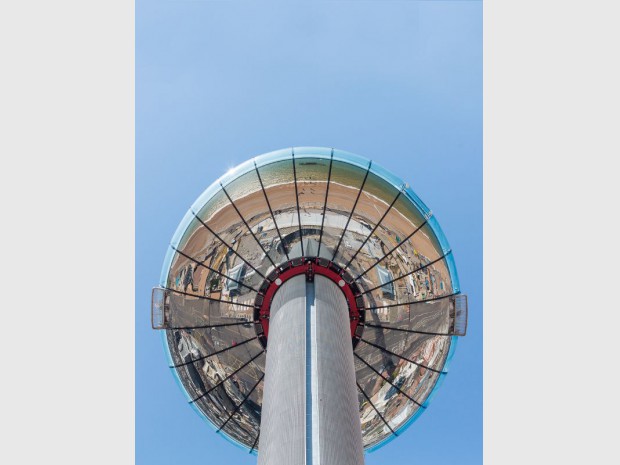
339	428
310	412
283	428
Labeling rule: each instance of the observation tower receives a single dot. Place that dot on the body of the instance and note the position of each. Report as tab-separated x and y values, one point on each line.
310	306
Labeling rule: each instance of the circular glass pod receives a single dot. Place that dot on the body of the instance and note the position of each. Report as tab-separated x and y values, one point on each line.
318	211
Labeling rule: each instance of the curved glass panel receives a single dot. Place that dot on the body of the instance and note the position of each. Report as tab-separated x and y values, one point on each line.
309	201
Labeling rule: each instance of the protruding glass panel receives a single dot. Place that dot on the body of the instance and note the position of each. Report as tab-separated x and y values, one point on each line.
459	327
159	309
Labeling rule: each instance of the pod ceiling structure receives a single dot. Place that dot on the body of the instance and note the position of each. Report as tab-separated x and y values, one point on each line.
310	211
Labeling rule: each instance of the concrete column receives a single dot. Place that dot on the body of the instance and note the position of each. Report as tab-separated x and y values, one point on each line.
310	413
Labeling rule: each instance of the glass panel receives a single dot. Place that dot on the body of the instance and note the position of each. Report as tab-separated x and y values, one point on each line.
312	152
399	410
237	388
374	428
395	407
427	283
414	380
460	315
203	380
251	409
393	229
159	309
220	216
213	405
351	158
279	184
183	346
249	199
276	155
374	201
311	186
215	276
388	176
344	188
239	432
231	336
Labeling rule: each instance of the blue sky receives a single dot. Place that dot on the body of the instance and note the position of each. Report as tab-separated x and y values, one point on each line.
218	82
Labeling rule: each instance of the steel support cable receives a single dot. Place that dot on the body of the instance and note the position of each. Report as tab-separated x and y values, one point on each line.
375	228
397	246
214	353
329	177
413	302
352	210
273	218
212	326
408	273
204	297
426	333
227	378
383	349
228	246
246	224
212	269
241	403
375	408
255	442
390	382
301	238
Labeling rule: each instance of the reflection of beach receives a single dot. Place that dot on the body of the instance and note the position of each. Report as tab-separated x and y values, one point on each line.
229	226
341	197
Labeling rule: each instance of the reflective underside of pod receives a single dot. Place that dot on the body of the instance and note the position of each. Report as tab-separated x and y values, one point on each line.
310	202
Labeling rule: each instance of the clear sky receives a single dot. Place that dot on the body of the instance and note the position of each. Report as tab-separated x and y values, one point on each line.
218	82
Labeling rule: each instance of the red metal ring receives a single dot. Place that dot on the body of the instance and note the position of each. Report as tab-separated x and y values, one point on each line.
309	267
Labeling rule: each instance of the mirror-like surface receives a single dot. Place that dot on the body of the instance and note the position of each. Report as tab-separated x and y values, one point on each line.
309	202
